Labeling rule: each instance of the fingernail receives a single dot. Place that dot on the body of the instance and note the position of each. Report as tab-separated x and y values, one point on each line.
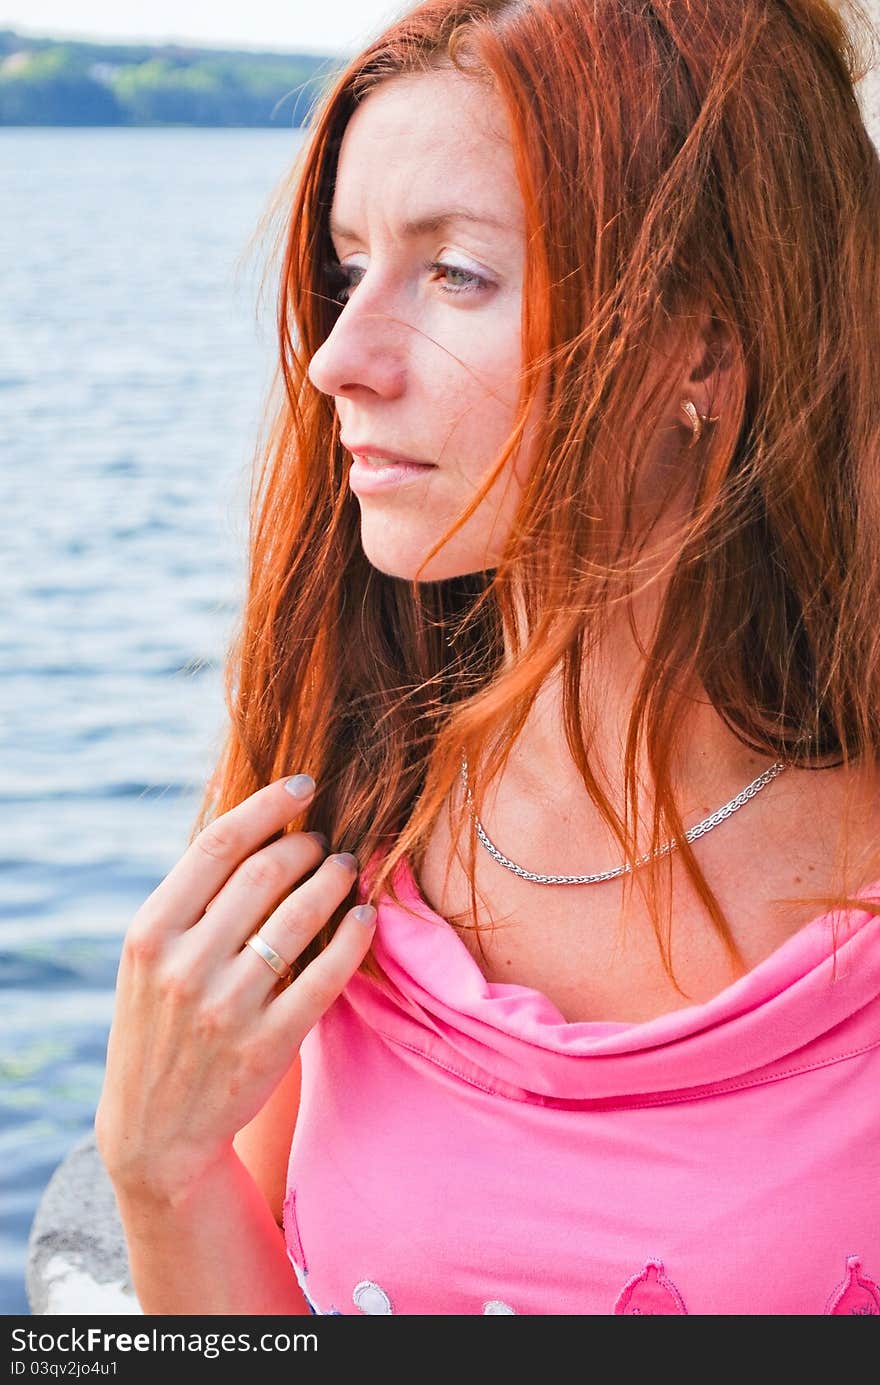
323	842
345	858
364	913
300	786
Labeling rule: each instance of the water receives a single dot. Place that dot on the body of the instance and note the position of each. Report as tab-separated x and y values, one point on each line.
133	370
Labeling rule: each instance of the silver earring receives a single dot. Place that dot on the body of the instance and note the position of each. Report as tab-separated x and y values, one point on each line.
696	420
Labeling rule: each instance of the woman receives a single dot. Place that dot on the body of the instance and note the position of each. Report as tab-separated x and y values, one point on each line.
563	589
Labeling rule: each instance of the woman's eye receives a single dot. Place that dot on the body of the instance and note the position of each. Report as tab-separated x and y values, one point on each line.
340	275
474	281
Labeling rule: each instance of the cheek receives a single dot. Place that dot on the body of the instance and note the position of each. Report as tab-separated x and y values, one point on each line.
481	410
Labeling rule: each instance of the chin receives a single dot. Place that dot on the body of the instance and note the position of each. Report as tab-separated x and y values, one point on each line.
391	554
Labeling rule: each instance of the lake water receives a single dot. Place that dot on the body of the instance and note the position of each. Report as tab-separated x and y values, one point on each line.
133	369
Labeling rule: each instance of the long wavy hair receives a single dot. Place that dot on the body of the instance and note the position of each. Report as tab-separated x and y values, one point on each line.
672	156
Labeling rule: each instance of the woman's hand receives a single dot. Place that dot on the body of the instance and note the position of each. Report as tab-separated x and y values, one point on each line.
203	1028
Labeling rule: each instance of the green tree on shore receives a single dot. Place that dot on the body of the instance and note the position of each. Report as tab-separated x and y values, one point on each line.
46	82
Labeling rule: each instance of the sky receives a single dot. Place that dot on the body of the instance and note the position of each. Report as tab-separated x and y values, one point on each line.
331	27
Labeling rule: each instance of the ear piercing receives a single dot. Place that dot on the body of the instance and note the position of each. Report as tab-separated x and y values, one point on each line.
696	421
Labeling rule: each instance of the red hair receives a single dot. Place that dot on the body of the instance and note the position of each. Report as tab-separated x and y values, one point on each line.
673	157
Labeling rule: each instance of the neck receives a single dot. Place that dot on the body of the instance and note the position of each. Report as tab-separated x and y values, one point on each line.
711	765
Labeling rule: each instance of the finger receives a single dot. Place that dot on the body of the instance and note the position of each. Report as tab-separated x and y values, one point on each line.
184	894
298	918
254	889
300	1005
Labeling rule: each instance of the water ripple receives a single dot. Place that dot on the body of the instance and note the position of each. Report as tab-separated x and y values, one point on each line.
126	440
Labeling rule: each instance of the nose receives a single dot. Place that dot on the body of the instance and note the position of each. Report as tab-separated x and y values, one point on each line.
364	351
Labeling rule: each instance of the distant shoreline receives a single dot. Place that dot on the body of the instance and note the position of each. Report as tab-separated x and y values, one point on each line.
47	82
77	83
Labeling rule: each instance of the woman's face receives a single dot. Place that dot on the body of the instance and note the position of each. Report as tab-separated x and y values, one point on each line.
424	359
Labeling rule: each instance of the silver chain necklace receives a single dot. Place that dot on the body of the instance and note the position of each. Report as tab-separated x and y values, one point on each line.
691	834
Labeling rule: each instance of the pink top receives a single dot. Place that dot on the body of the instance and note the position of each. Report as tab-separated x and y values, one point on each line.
462	1148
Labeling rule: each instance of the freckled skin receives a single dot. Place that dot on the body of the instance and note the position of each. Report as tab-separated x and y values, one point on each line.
421	371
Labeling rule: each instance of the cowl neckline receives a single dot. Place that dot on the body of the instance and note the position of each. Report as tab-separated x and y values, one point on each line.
809	1002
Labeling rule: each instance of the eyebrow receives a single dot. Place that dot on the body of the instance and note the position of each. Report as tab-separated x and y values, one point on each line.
430	223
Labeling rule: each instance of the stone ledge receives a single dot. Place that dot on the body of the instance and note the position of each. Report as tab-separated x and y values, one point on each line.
77	1262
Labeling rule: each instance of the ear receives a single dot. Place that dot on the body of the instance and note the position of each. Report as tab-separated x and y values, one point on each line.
706	379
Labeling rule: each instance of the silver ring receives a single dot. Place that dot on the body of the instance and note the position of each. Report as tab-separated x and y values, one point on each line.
282	969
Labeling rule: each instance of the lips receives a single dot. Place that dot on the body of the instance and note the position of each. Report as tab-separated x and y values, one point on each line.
380	454
381	477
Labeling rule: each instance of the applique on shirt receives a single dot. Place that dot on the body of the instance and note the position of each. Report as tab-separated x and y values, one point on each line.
650	1292
856	1295
302	1281
371	1298
296	1254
